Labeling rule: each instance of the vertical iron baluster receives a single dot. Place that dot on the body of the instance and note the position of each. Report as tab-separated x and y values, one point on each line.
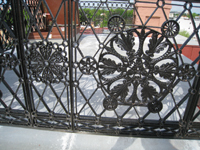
192	101
70	42
18	24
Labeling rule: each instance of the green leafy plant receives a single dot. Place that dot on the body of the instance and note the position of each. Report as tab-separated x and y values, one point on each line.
184	33
9	18
100	17
26	21
193	15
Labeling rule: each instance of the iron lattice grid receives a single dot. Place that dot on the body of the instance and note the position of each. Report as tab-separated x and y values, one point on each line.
63	84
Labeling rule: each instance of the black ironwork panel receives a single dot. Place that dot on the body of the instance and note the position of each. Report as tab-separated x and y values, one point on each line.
13	106
115	67
47	65
47	62
132	78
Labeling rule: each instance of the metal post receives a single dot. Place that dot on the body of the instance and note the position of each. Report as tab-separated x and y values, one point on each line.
70	51
18	23
192	101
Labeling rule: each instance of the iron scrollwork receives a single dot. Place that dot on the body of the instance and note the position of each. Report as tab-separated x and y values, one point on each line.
47	62
186	72
138	76
9	61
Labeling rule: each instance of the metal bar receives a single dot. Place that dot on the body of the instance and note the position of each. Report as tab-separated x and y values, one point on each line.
135	10
8	28
196	115
70	51
2	102
164	13
150	16
58	98
34	16
196	60
18	20
54	21
65	22
193	99
75	52
188	39
181	15
40	97
89	24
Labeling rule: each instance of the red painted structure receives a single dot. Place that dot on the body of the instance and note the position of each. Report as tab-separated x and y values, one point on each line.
190	51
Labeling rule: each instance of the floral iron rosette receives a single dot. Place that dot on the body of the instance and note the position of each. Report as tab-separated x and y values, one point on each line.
137	74
47	62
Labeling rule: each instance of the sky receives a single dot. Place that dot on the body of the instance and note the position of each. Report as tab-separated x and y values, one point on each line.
178	8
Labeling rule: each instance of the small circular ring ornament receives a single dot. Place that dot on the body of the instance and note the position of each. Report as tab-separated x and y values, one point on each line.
170	28
109	103
186	72
160	3
88	65
116	24
155	106
188	6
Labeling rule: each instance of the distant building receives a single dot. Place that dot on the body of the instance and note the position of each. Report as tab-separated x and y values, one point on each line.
173	14
197	17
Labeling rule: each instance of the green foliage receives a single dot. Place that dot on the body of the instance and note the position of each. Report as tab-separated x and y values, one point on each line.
100	17
184	33
26	19
9	18
187	15
193	15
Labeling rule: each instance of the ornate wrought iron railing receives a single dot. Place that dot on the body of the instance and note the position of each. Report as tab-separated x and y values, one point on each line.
121	74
